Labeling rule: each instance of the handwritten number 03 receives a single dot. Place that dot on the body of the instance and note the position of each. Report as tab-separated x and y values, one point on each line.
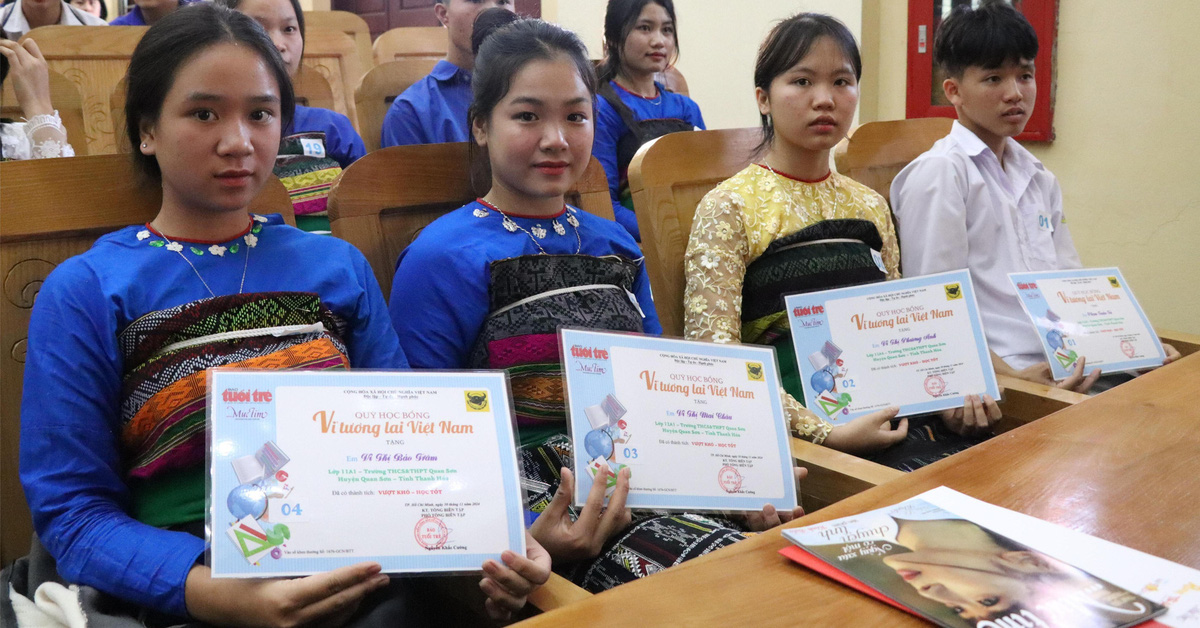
630	452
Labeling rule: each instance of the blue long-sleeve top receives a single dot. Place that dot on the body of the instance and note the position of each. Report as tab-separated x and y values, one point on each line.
431	111
439	295
70	463
342	143
610	128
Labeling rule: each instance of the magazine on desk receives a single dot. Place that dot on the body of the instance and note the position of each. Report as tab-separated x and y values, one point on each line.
962	563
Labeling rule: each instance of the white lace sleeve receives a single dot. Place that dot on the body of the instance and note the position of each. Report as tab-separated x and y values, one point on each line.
47	137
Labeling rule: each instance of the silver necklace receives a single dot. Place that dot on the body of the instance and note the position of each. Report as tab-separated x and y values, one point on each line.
178	248
656	101
538	232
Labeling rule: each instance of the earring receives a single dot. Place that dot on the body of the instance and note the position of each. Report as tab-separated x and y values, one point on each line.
143	145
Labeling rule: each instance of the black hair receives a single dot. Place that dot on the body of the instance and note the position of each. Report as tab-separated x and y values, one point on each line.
487	22
233	4
619	20
501	55
788	43
987	37
172	42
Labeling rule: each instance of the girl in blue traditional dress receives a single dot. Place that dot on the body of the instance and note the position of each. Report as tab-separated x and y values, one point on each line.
489	284
113	416
319	143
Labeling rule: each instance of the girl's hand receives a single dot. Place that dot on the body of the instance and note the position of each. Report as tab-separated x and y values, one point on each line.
1075	382
507	586
770	517
977	416
1172	354
30	76
568	540
868	433
327	599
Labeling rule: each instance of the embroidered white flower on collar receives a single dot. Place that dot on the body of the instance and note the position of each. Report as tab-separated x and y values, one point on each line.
258	218
251	240
174	246
217	250
143	234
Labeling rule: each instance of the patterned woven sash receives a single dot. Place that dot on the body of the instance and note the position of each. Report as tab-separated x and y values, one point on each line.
531	297
306	171
829	254
166	354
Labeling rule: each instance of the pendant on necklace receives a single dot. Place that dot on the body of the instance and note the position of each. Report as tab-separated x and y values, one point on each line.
558	228
510	225
572	220
482	213
539	232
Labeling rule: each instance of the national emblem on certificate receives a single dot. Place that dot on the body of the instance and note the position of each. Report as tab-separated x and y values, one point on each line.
313	471
1088	313
914	343
699	425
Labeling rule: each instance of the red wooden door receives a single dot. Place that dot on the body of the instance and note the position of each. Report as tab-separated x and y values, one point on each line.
382	15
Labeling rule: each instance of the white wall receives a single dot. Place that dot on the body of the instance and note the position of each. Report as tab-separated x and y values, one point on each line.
719	41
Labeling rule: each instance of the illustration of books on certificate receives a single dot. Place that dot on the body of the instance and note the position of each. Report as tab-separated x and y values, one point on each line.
700	426
940	556
310	471
1089	313
914	343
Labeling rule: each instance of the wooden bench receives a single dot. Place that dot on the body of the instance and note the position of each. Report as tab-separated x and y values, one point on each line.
411	42
54	209
334	55
350	24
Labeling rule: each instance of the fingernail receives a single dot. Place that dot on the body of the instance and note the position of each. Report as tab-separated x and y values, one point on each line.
508	556
490	567
374	569
381	580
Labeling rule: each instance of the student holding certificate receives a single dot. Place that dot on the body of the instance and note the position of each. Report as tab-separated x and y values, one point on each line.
489	285
113	438
787	224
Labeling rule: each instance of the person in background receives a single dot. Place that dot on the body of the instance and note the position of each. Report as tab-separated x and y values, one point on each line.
319	143
95	7
148	12
21	16
635	107
981	201
42	133
434	109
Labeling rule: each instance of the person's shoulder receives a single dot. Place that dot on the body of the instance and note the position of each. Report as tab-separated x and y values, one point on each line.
602	228
309	118
945	156
860	190
745	181
117	249
451	231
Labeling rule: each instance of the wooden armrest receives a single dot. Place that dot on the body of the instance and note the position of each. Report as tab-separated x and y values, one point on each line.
833	475
1026	401
557	593
1186	343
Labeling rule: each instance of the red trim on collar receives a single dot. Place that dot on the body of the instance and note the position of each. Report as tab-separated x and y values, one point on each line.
516	215
784	174
210	242
658	92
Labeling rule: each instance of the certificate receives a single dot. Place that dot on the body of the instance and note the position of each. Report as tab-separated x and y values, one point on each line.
1088	313
914	343
699	425
310	471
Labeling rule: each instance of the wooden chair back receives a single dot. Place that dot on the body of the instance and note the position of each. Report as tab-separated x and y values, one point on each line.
64	96
420	42
95	60
668	177
54	209
334	55
313	89
382	84
383	200
876	152
349	23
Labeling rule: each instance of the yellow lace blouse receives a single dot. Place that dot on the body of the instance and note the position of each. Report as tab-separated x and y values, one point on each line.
734	225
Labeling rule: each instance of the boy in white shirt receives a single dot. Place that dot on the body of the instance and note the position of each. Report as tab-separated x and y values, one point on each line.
981	201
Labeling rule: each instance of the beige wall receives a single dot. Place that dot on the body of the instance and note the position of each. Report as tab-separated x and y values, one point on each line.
1127	136
718	39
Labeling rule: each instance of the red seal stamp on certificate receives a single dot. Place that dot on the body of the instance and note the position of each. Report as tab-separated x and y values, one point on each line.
729	479
1127	349
431	533
935	385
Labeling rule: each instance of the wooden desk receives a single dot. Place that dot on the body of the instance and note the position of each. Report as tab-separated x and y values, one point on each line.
1120	466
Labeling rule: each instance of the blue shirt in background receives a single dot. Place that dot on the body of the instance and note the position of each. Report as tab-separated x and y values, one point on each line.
610	128
135	17
342	142
431	111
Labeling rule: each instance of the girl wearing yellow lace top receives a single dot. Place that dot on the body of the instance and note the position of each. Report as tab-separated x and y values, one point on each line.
787	224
